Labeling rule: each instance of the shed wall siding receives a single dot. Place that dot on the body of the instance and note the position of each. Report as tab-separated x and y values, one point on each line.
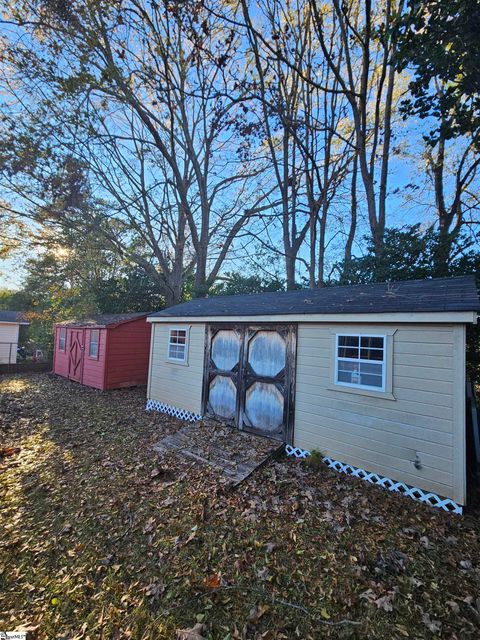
179	385
127	354
8	343
94	368
60	358
383	435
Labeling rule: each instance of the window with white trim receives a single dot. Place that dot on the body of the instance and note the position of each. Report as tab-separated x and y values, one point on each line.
93	346
178	345
62	338
360	361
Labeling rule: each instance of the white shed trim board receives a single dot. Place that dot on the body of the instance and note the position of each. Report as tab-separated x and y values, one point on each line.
357	318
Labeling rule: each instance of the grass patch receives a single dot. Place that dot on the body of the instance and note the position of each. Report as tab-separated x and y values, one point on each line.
93	546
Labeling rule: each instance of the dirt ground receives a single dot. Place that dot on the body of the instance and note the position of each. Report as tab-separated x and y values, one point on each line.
100	537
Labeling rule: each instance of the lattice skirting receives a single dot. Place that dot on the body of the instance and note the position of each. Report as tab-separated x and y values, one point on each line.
415	493
296	451
183	414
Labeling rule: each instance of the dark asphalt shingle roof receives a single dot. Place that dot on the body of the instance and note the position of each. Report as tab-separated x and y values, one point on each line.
438	294
103	320
12	316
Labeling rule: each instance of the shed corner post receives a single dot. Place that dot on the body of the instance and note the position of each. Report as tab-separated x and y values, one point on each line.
150	359
459	416
84	342
291	364
55	329
206	360
106	358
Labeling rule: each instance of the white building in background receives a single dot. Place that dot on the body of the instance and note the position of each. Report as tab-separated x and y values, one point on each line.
10	322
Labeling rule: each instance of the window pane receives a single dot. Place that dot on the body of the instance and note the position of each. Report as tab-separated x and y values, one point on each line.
363	374
372	381
347	352
348	372
347	365
371	354
373	368
93	348
348	341
176	351
178	337
371	341
344	376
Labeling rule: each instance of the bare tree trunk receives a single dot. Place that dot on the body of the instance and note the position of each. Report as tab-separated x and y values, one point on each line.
347	261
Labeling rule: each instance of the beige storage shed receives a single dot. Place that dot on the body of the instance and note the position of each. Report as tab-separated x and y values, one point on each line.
372	376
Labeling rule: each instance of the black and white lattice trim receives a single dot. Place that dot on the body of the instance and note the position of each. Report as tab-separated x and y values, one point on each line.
161	407
415	493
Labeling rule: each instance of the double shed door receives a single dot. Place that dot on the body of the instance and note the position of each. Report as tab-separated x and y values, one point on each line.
250	377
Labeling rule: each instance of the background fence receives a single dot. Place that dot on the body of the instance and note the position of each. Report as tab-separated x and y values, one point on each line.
17	358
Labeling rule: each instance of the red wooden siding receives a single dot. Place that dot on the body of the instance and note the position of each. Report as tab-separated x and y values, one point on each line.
123	353
93	368
128	353
60	358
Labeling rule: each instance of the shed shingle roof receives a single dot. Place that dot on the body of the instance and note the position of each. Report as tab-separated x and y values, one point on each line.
104	320
12	316
434	295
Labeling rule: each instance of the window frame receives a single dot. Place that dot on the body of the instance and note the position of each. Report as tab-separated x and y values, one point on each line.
64	330
95	357
385	362
179	361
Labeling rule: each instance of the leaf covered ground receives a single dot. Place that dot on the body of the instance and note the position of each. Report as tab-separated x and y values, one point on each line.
102	538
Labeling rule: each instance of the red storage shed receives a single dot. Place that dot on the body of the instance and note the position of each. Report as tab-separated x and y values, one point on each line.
106	351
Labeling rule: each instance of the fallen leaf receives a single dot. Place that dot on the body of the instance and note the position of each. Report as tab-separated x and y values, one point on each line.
195	633
454	606
257	612
212	582
432	625
8	451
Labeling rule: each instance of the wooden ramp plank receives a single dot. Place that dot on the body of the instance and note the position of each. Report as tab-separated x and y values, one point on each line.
234	453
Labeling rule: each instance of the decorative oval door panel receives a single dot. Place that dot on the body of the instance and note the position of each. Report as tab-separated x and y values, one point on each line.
223	367
266	354
225	350
222	397
264	408
264	400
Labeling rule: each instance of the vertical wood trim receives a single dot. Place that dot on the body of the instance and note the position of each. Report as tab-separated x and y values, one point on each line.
150	360
290	382
55	343
241	386
459	382
106	359
17	332
68	341
84	337
206	367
